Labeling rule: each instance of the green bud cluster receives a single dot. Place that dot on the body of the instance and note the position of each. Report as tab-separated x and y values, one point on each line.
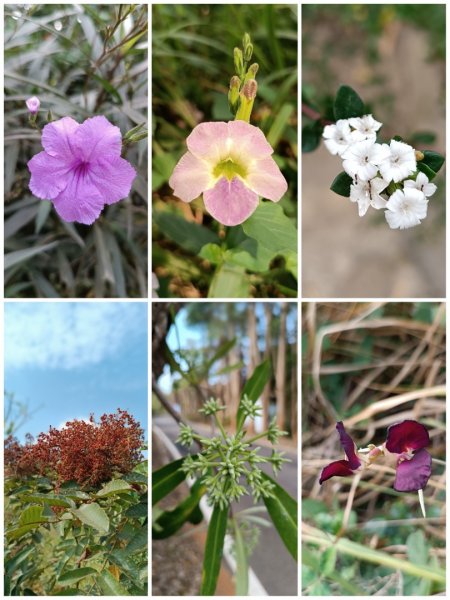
243	86
230	467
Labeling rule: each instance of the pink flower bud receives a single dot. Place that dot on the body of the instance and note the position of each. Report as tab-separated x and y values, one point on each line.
33	105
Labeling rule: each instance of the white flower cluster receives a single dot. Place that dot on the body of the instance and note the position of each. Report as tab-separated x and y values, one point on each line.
373	167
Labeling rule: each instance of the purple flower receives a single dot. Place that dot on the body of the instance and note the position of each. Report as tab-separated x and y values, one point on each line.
33	105
231	165
81	169
342	468
408	439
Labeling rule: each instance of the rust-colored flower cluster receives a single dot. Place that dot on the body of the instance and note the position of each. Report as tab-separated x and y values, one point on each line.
86	452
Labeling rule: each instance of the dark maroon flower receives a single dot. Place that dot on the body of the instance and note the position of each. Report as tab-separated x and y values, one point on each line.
342	468
408	439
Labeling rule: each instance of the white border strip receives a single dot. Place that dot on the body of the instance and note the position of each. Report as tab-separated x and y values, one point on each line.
255	587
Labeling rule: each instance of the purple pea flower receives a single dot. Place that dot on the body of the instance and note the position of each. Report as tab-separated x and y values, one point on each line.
80	169
406	439
342	468
33	105
231	165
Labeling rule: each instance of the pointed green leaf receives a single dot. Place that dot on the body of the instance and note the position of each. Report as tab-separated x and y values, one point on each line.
70	577
138	542
171	521
166	479
33	515
93	515
116	486
188	235
341	184
282	509
110	586
52	500
421	166
17	532
254	387
348	104
434	160
137	511
213	550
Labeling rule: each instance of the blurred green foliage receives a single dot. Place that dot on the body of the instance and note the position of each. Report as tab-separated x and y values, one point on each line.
192	65
80	60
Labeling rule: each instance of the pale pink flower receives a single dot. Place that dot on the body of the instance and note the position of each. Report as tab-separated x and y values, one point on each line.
231	165
33	105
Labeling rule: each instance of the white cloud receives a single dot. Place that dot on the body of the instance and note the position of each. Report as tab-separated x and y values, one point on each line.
69	335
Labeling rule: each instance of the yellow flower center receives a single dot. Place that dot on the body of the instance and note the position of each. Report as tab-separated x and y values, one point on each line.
229	169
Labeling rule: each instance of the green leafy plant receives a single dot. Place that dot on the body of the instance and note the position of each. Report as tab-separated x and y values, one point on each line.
227	467
65	537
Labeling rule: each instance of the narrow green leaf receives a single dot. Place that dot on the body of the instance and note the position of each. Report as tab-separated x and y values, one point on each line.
283	512
328	561
17	532
213	550
254	387
341	184
70	577
18	256
116	486
271	228
93	515
170	521
279	125
240	550
110	586
189	236
221	351
52	500
348	104
166	479
364	553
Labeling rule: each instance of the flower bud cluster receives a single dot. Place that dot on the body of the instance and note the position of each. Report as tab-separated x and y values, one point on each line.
385	176
230	467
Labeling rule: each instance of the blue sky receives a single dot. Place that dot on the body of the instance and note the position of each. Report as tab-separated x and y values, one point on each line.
68	359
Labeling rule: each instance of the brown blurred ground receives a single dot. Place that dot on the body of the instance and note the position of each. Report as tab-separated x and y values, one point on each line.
348	256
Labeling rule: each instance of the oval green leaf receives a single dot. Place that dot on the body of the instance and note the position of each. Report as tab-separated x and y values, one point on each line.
110	586
93	515
348	104
341	184
116	486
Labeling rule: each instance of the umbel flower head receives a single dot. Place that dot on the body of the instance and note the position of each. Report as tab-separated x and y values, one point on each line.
231	165
80	169
227	462
405	440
